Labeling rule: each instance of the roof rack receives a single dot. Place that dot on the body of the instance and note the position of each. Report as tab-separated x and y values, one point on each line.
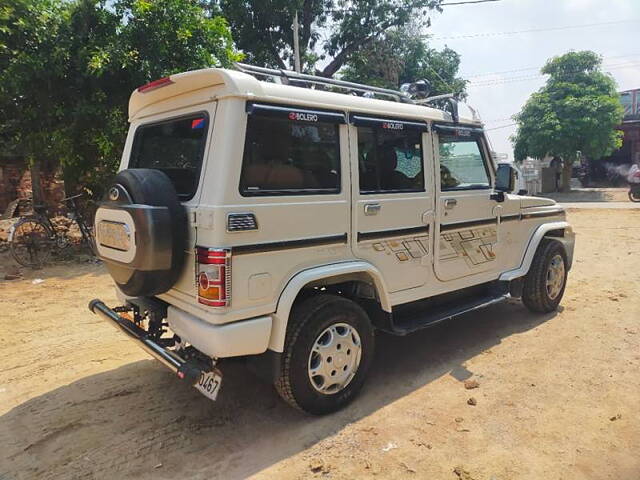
287	76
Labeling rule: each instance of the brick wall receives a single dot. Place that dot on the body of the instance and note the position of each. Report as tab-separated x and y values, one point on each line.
15	182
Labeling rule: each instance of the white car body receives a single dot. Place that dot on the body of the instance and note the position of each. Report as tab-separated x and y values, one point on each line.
399	247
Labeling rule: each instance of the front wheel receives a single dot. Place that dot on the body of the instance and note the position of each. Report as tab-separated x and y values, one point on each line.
545	283
634	195
327	354
31	242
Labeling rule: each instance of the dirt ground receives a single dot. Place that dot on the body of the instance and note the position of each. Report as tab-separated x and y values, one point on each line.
558	395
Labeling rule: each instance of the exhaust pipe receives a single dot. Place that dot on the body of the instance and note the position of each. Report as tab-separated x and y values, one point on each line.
185	370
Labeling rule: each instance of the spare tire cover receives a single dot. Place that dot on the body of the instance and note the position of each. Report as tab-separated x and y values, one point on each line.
144	186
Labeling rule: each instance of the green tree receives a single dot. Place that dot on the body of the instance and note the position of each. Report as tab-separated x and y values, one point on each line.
577	110
331	31
402	56
67	70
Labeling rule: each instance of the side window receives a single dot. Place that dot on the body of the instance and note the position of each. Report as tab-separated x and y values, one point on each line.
284	156
461	164
389	160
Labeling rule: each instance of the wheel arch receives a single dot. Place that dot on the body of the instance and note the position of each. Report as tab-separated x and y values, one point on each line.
358	271
558	231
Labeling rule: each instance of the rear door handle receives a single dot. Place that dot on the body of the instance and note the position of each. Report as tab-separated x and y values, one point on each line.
372	208
449	203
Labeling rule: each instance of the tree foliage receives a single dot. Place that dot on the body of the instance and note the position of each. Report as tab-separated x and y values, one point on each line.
331	31
577	110
403	56
68	68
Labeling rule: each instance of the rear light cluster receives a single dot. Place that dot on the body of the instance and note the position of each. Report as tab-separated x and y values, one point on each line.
162	82
213	276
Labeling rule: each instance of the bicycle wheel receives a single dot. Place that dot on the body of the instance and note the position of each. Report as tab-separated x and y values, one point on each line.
31	242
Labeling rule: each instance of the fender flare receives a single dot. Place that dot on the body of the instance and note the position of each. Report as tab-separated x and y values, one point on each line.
540	233
302	279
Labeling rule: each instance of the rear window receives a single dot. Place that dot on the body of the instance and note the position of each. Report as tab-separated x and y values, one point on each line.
284	156
174	146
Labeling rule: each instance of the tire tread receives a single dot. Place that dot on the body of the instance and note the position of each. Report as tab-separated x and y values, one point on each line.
534	295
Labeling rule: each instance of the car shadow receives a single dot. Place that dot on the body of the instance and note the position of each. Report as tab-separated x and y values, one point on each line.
138	420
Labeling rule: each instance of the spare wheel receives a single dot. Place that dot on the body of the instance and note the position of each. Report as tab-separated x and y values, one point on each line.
141	232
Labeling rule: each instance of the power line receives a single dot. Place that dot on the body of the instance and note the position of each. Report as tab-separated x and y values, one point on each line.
488	74
541	75
497	120
531	30
498	128
467	3
524	78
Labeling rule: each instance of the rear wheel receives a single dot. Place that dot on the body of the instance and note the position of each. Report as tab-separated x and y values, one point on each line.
327	354
31	242
634	195
545	283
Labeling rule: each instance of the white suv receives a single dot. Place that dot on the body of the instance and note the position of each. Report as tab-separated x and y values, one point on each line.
286	224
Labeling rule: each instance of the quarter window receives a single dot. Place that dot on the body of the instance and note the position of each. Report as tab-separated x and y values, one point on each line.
390	161
461	164
284	156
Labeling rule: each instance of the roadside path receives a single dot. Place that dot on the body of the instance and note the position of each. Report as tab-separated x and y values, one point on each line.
616	205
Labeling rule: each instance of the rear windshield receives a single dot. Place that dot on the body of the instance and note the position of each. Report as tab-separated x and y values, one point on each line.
174	146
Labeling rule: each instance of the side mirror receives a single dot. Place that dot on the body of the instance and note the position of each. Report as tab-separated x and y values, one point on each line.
505	178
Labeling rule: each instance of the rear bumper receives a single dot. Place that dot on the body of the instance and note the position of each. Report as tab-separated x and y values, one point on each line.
184	369
246	337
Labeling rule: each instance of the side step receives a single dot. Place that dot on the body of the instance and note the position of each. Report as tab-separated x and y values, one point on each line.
426	313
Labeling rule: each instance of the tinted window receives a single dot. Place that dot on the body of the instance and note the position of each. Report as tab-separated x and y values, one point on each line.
174	146
390	161
288	157
461	164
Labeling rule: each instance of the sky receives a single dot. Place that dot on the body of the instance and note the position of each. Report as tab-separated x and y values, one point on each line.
501	92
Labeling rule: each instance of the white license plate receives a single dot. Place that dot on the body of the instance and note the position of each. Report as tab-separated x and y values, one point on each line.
114	235
209	384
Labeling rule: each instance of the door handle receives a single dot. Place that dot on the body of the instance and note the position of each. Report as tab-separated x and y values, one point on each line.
372	208
449	203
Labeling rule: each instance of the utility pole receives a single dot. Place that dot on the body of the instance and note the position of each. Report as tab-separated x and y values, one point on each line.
296	43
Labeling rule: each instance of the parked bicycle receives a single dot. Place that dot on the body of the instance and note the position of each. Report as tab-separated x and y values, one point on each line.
34	238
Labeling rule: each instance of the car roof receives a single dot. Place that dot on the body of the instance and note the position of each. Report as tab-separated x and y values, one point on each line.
225	83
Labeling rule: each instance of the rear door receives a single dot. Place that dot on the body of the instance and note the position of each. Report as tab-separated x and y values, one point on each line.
392	198
467	216
177	146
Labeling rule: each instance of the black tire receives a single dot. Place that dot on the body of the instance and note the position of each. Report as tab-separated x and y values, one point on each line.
634	196
535	295
151	187
308	320
31	242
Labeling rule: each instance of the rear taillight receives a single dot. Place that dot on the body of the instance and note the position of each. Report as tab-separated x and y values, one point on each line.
162	82
213	276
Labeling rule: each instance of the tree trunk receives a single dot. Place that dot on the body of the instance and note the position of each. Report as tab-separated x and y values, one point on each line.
36	183
566	175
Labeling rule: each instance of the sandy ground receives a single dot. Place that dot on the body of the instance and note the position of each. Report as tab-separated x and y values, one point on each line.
558	395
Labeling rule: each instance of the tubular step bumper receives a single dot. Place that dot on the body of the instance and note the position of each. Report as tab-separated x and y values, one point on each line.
185	370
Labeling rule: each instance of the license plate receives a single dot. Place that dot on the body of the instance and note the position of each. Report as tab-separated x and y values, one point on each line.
209	384
114	235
